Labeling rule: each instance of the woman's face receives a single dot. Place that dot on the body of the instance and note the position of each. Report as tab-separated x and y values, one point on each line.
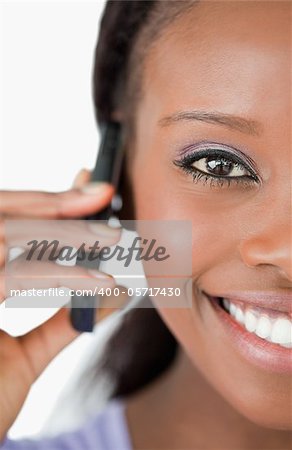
226	68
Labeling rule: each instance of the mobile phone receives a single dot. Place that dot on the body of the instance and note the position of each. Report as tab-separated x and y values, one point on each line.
108	169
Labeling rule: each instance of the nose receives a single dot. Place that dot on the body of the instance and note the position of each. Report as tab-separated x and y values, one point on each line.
273	248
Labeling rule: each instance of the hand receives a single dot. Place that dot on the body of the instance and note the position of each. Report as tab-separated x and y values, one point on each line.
23	358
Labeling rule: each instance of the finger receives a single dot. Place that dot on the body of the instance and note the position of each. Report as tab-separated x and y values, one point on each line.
82	178
45	342
40	237
73	203
45	275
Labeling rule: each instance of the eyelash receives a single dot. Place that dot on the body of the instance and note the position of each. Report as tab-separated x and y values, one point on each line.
185	163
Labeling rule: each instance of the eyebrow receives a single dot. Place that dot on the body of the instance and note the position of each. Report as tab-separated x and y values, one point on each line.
237	123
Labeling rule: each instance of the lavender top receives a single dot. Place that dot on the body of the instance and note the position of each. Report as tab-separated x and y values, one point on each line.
107	431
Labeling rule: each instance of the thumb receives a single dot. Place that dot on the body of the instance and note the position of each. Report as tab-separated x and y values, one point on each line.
82	178
43	343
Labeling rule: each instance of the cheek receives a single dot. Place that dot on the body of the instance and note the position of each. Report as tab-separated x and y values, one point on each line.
260	397
159	195
156	198
219	222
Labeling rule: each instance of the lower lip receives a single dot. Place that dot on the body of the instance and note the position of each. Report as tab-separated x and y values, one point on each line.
264	354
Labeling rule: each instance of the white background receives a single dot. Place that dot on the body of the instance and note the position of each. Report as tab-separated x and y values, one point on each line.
48	133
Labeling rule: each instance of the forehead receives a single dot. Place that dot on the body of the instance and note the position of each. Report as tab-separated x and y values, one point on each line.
225	55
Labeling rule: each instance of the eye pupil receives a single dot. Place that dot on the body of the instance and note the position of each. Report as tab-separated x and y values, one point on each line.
219	166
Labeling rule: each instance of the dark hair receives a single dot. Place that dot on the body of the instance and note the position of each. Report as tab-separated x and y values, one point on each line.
119	27
142	347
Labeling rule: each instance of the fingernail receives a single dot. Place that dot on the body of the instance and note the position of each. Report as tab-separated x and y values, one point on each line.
104	230
101	275
98	187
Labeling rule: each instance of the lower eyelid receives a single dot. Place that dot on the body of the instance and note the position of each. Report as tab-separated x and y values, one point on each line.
212	180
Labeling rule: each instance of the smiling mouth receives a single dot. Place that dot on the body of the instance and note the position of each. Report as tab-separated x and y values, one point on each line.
267	324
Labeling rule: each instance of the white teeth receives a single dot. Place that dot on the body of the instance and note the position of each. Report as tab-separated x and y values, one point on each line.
282	332
276	330
226	304
287	345
250	321
232	309
264	327
239	316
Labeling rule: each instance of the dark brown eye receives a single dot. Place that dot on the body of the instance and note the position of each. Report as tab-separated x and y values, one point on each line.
219	166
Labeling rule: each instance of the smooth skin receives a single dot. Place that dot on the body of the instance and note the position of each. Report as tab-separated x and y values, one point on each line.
23	358
232	58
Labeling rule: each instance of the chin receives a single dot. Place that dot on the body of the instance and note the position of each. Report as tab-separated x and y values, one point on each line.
269	421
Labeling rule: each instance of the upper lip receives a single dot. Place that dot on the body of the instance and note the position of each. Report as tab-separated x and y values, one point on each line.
263	299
